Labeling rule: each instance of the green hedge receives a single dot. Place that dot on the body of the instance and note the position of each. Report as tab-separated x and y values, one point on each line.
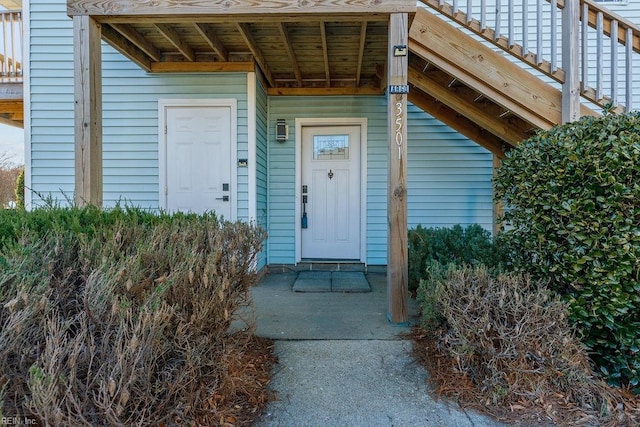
472	245
573	194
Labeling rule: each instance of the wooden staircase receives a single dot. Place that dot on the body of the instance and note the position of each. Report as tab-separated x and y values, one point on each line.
11	91
465	82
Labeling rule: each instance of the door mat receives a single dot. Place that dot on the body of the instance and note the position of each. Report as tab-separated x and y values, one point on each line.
331	281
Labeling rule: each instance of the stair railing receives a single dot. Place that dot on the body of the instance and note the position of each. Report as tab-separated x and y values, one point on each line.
545	36
11	46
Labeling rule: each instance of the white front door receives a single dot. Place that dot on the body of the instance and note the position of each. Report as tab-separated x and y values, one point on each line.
198	159
331	184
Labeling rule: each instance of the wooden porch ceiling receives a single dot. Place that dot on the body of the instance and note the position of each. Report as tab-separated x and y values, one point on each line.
300	47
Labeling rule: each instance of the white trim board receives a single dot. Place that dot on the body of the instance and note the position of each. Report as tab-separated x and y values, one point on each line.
251	147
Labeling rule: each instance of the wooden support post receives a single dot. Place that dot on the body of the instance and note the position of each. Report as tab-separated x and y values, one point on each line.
397	257
570	58
88	111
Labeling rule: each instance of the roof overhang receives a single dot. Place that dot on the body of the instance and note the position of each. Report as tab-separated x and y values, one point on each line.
301	47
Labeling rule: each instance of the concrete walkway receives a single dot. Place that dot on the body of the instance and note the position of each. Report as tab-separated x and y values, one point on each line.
341	363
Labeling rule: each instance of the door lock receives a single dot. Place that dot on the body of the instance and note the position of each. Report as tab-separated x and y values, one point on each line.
223	198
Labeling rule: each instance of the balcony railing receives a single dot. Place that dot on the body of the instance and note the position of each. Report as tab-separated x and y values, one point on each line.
544	36
11	46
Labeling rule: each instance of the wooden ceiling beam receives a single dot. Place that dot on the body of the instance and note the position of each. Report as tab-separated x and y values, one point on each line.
324	91
471	110
12	110
125	47
212	40
325	53
245	32
264	18
138	40
290	50
202	67
458	122
175	39
238	7
363	39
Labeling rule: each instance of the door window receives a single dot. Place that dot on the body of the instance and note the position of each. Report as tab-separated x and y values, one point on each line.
331	147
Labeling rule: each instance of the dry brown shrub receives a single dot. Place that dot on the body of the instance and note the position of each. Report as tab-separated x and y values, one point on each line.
504	346
8	175
131	327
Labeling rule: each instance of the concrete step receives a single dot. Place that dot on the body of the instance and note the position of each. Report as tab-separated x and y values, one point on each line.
331	281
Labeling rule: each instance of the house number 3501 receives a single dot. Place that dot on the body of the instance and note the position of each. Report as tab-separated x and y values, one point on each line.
399	138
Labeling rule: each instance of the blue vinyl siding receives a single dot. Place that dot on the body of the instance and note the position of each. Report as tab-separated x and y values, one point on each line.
449	176
130	115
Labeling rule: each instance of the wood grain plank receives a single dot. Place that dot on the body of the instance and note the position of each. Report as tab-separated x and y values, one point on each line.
245	32
138	40
397	257
125	47
291	52
325	53
88	111
325	91
176	40
202	67
363	40
486	71
214	7
212	40
469	109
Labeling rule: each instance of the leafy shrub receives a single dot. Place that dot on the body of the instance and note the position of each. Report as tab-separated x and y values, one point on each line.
510	337
472	245
574	220
122	317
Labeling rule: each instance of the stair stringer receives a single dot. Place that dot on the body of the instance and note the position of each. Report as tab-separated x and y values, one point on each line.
485	71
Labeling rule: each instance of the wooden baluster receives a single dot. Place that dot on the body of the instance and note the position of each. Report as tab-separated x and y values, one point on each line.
585	47
554	36
599	55
525	27
629	70
539	33
614	62
510	27
570	62
498	19
5	52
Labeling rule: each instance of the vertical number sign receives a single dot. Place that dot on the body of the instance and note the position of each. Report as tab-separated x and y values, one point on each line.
399	125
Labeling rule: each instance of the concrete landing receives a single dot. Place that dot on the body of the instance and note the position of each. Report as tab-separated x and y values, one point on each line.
336	281
279	313
340	362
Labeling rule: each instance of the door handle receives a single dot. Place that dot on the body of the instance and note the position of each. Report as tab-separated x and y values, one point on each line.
223	198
